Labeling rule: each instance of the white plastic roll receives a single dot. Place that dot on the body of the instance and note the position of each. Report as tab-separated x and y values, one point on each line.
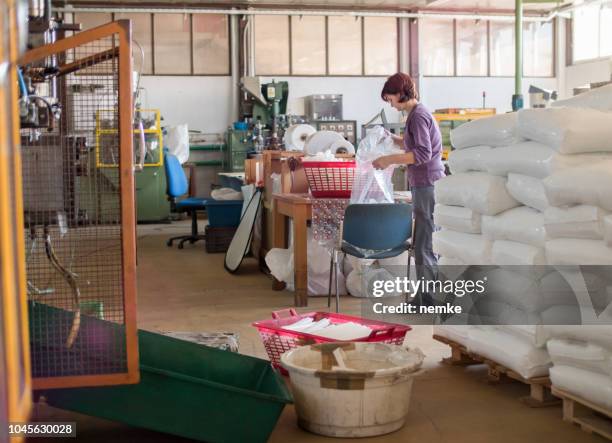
342	147
296	135
321	141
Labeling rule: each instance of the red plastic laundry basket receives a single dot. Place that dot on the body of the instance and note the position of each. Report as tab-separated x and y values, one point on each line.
329	179
278	340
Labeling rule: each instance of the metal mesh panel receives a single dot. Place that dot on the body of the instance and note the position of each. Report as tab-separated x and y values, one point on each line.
73	225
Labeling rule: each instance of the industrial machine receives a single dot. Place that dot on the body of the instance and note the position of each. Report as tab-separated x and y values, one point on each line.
323	107
262	123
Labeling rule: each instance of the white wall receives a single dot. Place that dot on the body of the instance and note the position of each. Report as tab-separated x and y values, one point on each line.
582	74
201	102
360	95
466	92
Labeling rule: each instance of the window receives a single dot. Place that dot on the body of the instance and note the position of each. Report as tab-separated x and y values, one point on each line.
172	43
538	47
271	45
344	43
472	47
437	47
380	45
502	49
586	33
211	44
308	45
141	33
605	31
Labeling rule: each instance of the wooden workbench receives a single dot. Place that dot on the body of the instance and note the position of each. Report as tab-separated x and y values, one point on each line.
299	208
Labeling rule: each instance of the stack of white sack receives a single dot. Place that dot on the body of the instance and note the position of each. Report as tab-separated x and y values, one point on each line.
519	348
470	193
281	265
582	361
569	153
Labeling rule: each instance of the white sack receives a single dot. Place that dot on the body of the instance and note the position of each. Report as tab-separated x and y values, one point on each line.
527	190
590	386
494	312
581	355
478	191
535	335
457	218
177	142
456	333
522	224
570	251
497	130
598	98
509	351
582	221
534	159
568	130
588	185
280	264
471	249
511	288
226	194
450	261
469	159
354	284
510	253
608	230
598	334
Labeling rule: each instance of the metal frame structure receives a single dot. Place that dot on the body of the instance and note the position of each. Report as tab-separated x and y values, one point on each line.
120	32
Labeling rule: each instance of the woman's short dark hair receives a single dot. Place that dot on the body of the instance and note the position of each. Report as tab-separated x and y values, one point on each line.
400	83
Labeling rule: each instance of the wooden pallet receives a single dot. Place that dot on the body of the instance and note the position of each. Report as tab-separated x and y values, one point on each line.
540	387
591	418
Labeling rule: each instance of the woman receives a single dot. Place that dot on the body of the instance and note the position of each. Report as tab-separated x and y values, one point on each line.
422	144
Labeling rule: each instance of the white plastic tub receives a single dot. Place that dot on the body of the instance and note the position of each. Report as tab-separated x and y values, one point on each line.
352	389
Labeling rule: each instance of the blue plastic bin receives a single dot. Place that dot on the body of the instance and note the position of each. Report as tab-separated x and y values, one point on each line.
223	213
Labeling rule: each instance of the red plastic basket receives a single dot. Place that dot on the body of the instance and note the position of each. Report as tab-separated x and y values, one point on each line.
330	179
278	340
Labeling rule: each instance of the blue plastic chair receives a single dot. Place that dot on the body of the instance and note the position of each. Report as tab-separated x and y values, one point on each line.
177	187
373	231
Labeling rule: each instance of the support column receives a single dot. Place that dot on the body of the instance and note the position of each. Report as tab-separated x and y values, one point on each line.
517	98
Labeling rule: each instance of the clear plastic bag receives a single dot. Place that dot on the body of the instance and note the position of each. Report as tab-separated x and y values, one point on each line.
177	142
372	185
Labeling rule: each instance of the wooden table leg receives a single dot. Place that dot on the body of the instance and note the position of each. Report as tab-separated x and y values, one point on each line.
300	255
279	241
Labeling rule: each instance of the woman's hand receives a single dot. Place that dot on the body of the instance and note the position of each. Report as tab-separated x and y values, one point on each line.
381	162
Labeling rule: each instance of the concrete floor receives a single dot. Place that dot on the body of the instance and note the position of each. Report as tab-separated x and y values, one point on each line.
188	290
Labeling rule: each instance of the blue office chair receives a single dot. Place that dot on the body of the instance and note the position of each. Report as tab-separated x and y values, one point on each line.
374	231
177	187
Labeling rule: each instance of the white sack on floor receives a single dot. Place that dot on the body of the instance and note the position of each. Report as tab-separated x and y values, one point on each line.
527	190
598	98
318	284
535	335
498	130
457	218
608	230
582	221
471	249
570	251
581	355
588	185
522	224
510	253
598	334
568	130
456	333
280	264
509	351
469	159
587	385
534	159
478	191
